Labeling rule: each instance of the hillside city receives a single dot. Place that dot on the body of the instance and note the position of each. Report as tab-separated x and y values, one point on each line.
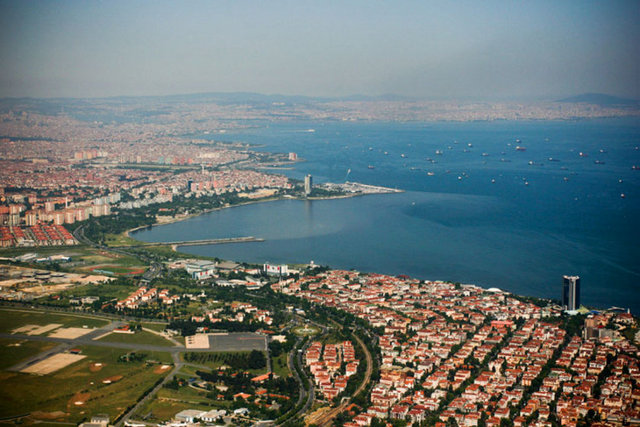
101	329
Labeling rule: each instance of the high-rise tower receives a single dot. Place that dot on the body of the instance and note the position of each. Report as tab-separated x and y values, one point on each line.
571	292
308	185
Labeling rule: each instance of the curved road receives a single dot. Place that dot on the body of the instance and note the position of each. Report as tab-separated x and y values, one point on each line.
326	418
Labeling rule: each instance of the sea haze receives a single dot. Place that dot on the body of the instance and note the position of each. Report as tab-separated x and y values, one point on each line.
479	211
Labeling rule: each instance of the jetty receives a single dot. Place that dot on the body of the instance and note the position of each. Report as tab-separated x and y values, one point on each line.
223	241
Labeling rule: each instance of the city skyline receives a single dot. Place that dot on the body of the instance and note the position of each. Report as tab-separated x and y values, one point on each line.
434	50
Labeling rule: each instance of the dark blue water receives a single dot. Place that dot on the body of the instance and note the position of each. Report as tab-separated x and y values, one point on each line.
488	214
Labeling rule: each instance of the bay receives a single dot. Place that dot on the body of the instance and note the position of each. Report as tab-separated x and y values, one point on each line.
475	209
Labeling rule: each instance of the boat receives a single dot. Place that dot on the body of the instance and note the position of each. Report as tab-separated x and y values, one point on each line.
469	145
520	148
598	162
371	167
622	196
485	154
438	152
430	173
402	155
583	154
493	181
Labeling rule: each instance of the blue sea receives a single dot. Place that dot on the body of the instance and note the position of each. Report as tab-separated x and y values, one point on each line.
475	208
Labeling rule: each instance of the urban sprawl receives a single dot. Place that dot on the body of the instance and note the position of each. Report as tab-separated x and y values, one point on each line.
121	332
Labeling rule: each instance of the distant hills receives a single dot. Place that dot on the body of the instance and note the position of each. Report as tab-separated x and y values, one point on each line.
602	100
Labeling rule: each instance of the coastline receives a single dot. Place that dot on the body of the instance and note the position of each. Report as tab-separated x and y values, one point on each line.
372	190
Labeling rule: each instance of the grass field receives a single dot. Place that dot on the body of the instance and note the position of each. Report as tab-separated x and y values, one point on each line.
120	240
81	382
106	290
14	351
140	337
83	258
279	365
169	402
11	319
158	327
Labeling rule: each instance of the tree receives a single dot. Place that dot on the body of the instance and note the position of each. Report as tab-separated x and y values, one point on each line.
257	360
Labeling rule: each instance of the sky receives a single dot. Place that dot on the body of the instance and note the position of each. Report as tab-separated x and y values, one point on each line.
466	50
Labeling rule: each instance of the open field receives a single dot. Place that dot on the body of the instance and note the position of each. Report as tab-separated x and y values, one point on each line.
70	333
158	327
169	402
53	363
83	258
116	270
104	290
279	365
36	329
12	319
140	337
17	282
99	383
226	342
121	239
14	351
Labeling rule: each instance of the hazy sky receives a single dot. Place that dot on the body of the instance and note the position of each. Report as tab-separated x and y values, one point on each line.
449	49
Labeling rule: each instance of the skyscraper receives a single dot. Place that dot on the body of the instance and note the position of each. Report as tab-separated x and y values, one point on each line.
571	292
308	184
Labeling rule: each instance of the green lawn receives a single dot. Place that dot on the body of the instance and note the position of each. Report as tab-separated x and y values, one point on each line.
120	240
158	327
58	391
106	290
11	319
14	351
279	365
140	337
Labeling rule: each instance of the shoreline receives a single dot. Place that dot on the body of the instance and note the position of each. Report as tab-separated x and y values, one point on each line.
373	190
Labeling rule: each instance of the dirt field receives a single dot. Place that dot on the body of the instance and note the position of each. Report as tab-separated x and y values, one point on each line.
96	367
79	399
112	379
36	329
160	369
70	332
53	363
40	415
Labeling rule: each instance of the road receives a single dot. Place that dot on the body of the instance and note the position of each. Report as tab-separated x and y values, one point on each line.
326	418
155	268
